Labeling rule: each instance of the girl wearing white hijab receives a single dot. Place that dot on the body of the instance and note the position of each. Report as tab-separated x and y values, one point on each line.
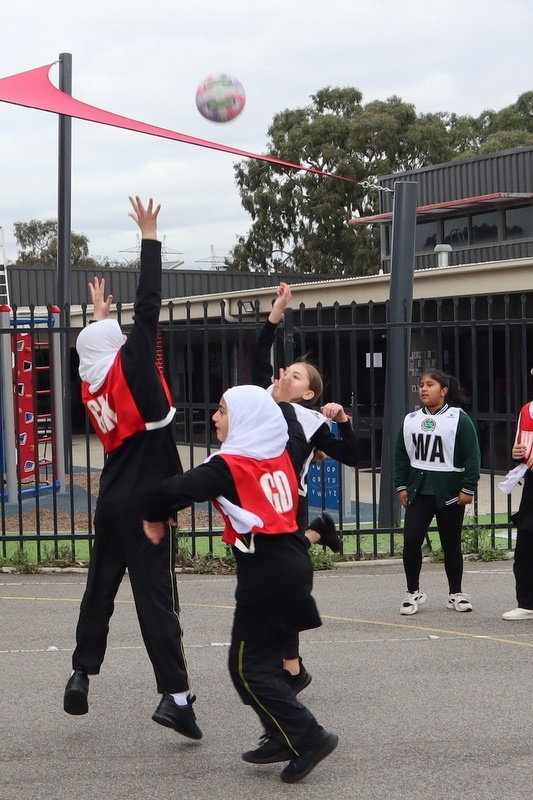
130	408
252	481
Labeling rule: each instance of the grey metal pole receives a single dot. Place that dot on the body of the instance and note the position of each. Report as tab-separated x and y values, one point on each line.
58	436
399	341
64	188
288	337
64	222
8	408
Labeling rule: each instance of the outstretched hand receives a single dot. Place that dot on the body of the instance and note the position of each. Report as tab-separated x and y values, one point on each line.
100	304
283	296
146	218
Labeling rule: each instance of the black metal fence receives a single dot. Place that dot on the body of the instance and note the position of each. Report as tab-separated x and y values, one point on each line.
485	341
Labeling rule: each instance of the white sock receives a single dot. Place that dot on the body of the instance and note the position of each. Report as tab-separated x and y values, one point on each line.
181	698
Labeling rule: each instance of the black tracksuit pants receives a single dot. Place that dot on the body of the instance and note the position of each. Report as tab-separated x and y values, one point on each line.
523	568
418	517
523	554
256	669
273	600
121	544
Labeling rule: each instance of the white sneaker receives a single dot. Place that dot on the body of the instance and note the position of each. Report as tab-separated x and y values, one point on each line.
459	602
411	601
518	613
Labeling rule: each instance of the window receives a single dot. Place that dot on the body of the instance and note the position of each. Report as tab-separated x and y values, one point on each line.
519	222
426	236
386	231
485	227
456	231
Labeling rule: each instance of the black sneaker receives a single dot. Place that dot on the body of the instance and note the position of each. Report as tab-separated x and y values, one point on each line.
321	745
300	681
325	526
270	751
76	691
181	718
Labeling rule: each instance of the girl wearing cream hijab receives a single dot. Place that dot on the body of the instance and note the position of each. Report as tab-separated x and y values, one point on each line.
252	481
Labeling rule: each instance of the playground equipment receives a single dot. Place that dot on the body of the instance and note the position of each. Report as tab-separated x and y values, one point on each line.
31	438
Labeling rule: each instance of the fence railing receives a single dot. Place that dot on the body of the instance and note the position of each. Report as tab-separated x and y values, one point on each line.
485	341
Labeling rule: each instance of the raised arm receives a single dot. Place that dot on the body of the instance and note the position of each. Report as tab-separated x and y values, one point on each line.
283	297
142	341
261	366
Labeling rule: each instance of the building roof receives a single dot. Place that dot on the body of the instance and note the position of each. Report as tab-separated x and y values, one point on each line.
38	285
463	204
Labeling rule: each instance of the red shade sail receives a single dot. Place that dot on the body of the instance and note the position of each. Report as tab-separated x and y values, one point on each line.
34	89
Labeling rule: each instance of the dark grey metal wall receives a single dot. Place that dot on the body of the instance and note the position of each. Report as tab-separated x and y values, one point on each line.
509	171
476	255
38	285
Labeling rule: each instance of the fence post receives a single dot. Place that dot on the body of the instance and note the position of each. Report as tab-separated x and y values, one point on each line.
59	444
288	337
10	444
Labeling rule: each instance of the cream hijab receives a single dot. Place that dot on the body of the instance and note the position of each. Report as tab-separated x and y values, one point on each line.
257	427
97	346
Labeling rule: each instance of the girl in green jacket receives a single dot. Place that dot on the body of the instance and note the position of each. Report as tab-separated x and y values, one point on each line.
436	473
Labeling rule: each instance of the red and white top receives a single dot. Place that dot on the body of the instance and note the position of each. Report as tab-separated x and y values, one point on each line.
268	494
112	409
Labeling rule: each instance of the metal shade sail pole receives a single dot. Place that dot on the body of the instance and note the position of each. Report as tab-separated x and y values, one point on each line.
64	222
399	343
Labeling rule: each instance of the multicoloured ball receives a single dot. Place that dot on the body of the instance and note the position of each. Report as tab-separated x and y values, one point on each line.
220	98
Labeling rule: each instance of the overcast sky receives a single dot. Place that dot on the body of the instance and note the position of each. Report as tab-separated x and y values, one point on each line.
144	60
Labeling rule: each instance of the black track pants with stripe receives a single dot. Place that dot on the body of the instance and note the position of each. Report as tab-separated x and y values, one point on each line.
256	668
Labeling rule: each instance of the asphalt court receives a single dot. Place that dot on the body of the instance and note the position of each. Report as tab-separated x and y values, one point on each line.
437	705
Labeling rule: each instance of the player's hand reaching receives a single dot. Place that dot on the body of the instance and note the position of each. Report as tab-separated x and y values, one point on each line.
146	218
100	303
283	296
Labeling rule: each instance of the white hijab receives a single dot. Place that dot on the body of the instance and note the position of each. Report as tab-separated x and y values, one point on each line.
256	425
256	429
97	346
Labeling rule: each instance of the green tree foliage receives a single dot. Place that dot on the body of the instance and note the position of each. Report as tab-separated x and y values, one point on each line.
509	128
37	240
300	220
